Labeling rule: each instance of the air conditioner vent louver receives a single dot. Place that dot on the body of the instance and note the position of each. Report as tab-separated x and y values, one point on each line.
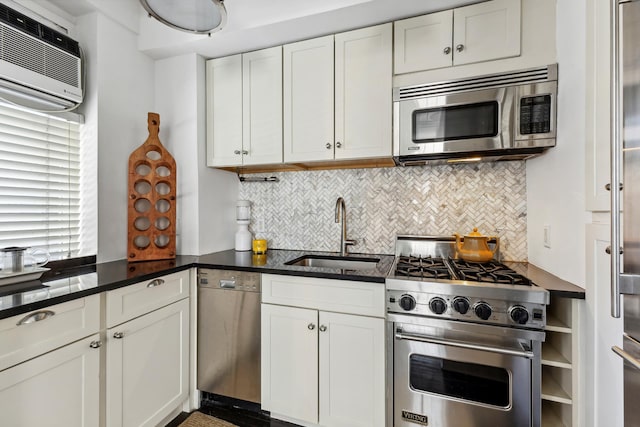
476	83
37	61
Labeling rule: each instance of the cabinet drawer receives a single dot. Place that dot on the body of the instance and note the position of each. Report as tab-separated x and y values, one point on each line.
344	296
28	335
135	300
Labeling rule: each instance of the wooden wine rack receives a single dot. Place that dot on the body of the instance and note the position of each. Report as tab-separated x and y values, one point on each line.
152	199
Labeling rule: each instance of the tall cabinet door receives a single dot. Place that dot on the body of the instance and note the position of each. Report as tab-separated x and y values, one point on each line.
423	42
224	111
308	100
363	88
486	31
59	388
290	361
352	370
262	106
148	367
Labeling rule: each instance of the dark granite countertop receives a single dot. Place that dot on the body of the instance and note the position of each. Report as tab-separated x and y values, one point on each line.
59	286
555	285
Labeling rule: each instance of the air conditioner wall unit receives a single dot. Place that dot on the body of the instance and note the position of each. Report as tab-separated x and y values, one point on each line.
37	62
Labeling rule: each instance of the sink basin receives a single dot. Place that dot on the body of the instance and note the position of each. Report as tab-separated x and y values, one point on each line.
345	263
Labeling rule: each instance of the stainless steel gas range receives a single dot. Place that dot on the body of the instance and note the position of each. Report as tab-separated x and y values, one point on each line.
464	340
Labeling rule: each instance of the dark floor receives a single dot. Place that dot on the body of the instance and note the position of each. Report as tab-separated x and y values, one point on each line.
234	414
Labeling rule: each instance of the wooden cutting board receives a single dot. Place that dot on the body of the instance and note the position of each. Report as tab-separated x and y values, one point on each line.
152	199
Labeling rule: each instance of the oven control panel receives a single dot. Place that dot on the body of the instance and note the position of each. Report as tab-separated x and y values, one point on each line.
472	309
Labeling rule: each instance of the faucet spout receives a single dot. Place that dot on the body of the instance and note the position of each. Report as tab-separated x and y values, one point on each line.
341	216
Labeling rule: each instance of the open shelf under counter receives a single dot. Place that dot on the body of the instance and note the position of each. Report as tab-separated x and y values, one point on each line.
553	392
552	357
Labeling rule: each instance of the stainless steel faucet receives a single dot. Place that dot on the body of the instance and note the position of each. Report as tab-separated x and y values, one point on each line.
344	242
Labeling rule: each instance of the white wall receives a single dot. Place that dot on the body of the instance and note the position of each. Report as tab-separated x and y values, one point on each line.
555	181
206	197
120	93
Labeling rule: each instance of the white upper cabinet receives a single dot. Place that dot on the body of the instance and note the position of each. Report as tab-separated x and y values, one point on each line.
262	106
486	31
363	87
470	34
224	111
244	109
308	100
423	42
346	119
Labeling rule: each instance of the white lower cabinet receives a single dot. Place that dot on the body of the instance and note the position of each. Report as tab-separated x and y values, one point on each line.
321	367
148	366
59	388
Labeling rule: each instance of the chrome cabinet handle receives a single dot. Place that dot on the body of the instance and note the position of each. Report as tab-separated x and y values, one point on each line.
626	356
95	344
608	250
311	326
338	144
460	47
155	282
35	317
236	152
118	335
245	152
447	50
608	187
328	145
322	328
616	148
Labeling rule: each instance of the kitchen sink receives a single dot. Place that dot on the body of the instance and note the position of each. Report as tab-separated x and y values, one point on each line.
327	261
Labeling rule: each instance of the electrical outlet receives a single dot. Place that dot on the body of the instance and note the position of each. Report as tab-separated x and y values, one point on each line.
547	236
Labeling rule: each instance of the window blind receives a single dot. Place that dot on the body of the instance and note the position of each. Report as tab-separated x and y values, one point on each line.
40	201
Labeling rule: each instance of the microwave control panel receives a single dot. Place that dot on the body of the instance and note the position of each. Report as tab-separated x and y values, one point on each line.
535	114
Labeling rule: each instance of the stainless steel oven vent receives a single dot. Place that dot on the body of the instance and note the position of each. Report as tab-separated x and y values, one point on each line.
532	75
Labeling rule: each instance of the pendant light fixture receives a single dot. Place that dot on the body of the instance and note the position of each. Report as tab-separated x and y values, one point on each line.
193	16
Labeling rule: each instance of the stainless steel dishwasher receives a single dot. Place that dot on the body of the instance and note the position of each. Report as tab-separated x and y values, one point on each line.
229	333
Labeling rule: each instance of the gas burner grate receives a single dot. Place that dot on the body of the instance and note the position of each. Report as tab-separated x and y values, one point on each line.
489	272
423	267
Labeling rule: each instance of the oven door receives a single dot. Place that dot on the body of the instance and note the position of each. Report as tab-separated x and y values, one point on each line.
457	379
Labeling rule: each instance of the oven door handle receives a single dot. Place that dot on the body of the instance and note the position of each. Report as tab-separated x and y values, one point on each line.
431	340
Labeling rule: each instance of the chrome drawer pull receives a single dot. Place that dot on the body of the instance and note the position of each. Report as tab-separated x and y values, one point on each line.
155	282
311	326
118	335
499	350
95	344
35	317
322	328
626	356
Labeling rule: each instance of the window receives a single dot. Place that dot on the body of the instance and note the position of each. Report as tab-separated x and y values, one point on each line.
42	194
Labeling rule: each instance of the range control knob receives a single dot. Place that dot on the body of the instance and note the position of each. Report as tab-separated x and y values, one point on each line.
438	305
407	302
519	314
461	305
482	310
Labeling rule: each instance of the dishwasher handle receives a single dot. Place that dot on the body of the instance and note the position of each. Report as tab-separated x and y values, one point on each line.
227	283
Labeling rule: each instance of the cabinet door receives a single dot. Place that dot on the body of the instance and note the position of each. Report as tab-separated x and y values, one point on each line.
423	42
148	367
598	93
363	71
262	106
352	371
308	100
290	362
224	111
486	31
605	380
60	388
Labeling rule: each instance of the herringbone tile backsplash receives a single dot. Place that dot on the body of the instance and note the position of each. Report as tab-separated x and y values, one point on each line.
298	212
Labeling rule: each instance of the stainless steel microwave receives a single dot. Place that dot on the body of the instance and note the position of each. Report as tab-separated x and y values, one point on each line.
503	116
